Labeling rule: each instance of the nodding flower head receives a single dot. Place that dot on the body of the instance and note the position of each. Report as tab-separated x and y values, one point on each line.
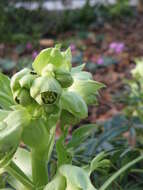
45	90
20	86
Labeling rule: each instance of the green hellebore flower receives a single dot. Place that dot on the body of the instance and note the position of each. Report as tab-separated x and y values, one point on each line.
15	85
45	90
11	128
20	85
64	78
52	56
74	104
137	71
88	90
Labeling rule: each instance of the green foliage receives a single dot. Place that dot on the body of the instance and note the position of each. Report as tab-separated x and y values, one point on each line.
23	23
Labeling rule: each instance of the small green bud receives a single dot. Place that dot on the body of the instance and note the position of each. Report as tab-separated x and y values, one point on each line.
64	78
15	85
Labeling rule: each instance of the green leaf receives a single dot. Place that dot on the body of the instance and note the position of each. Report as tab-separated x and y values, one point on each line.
36	135
63	155
22	158
6	98
67	118
119	172
99	162
73	103
58	183
80	134
76	178
87	89
15	183
3	114
10	132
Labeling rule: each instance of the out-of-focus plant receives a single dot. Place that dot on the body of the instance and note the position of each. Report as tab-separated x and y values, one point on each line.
133	99
120	8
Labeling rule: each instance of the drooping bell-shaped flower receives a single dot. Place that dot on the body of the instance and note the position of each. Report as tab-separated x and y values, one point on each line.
20	86
46	90
85	86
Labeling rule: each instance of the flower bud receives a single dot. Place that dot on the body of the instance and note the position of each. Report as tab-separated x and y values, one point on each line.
45	90
15	85
64	78
20	85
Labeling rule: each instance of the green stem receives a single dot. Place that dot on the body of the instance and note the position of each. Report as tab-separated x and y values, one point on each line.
15	171
39	168
123	169
40	159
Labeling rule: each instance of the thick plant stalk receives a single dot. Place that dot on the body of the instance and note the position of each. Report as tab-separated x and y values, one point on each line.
39	168
40	159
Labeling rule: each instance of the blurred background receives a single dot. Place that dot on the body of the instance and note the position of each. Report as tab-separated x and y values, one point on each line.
107	35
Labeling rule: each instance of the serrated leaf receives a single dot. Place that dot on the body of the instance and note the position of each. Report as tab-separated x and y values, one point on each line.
80	134
6	98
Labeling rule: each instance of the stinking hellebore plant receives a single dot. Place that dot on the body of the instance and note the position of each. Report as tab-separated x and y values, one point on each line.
32	103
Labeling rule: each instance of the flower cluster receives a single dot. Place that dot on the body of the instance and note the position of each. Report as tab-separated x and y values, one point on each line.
53	91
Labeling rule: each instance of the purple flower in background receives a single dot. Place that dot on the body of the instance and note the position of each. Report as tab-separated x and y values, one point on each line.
100	61
113	45
34	54
29	46
117	47
72	47
120	48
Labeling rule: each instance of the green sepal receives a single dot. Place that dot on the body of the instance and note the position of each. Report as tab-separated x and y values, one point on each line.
45	90
64	78
15	85
53	56
73	103
88	90
83	75
27	80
